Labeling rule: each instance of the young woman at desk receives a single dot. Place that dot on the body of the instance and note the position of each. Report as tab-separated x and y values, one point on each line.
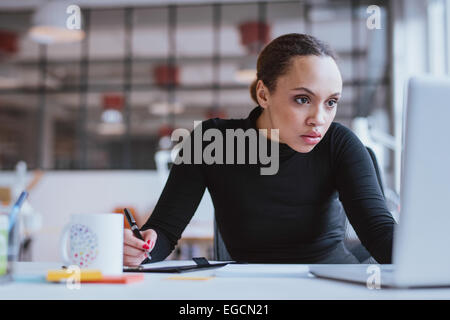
292	216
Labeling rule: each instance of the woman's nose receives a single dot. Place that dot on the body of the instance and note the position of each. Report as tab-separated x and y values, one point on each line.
317	116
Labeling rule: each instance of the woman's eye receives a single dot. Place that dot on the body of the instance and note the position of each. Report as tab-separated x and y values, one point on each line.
332	103
302	100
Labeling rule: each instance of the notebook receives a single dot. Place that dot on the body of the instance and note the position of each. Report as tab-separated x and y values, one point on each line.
200	264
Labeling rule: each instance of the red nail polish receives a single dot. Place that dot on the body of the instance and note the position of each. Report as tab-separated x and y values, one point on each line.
145	246
148	241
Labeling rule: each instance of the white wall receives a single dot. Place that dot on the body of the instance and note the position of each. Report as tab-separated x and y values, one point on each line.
61	193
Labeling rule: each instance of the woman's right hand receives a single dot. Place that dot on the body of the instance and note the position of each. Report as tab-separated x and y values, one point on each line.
135	250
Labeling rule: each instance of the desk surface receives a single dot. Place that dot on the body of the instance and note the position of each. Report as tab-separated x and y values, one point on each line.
158	287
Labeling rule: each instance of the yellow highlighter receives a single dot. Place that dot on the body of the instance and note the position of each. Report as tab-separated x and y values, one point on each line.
84	275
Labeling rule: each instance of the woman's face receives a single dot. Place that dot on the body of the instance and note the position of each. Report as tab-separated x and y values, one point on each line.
303	104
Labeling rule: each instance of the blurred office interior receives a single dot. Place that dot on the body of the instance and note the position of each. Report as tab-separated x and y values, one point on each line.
86	115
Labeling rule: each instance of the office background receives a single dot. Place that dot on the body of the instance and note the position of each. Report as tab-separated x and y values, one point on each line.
85	122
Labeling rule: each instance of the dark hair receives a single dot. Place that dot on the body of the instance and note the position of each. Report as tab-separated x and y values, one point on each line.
275	58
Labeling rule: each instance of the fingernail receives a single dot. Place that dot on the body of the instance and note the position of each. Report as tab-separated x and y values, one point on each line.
145	246
148	241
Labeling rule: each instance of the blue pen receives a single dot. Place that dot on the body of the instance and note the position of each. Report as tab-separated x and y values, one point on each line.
16	208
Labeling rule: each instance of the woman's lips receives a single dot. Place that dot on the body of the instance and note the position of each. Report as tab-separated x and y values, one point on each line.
310	139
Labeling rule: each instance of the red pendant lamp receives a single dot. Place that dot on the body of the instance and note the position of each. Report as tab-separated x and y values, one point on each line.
112	104
8	42
254	35
167	75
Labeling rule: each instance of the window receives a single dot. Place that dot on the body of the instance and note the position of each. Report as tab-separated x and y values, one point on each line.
53	116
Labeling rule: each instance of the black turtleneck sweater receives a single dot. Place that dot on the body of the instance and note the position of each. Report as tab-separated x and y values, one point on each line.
293	216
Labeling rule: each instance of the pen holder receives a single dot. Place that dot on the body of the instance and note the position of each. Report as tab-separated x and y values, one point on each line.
9	246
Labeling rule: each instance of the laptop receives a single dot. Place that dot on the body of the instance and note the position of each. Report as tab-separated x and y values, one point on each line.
421	249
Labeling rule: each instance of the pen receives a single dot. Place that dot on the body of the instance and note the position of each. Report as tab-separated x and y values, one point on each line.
134	227
16	208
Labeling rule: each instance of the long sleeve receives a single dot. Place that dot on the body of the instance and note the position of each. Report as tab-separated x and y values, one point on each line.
288	217
177	204
361	196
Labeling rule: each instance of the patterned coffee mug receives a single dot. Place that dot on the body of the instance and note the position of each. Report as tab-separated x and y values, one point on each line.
94	241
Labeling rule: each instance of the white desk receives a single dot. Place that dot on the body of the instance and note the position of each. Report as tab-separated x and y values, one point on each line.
158	287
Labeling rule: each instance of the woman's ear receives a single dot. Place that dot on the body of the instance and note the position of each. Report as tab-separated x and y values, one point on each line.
262	94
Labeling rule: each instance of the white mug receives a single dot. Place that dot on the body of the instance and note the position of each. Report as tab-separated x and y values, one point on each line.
95	241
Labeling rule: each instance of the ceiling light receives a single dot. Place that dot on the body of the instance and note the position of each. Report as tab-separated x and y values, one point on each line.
112	116
163	108
111	129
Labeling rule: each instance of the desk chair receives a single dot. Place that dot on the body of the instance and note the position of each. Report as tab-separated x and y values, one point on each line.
354	245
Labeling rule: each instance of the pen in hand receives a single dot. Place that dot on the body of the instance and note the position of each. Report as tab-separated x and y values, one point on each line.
135	228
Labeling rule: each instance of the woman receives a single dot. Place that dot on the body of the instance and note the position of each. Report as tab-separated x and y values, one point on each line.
294	215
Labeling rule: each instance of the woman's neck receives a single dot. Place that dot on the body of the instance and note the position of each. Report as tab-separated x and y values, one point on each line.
263	122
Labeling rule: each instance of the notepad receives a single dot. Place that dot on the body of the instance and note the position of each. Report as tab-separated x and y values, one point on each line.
93	276
262	270
85	275
122	279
